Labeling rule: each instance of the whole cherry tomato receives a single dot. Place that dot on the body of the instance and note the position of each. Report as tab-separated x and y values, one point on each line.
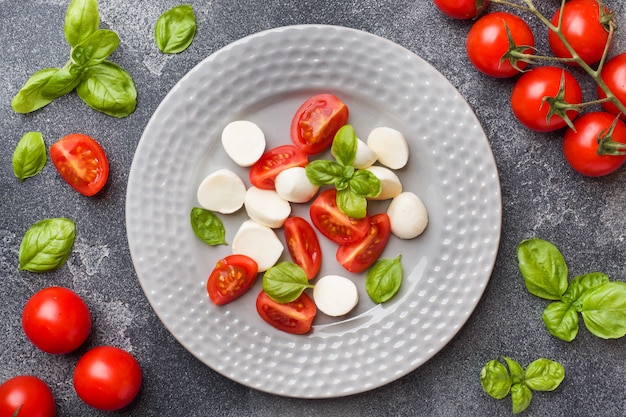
462	9
614	75
487	42
28	394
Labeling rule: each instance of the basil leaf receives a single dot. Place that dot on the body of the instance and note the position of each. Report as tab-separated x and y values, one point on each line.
351	204
175	29
108	88
521	396
29	156
46	245
344	145
96	48
383	279
515	369
81	20
580	285
561	320
207	226
604	310
543	268
544	375
323	172
62	81
365	184
285	282
495	379
30	97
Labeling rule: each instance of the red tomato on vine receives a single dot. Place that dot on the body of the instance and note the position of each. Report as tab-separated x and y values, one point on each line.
462	9
614	75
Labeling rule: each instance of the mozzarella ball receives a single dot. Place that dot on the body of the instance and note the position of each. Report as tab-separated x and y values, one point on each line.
335	295
390	185
408	215
390	146
244	142
266	207
259	243
293	185
365	156
222	191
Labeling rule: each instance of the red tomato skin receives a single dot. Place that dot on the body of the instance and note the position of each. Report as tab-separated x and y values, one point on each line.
462	9
107	378
56	320
333	223
81	162
487	42
231	278
582	28
295	317
614	75
530	89
28	393
303	245
580	146
316	122
359	256
263	172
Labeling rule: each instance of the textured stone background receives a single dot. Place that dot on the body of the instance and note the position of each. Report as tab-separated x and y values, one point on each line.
542	197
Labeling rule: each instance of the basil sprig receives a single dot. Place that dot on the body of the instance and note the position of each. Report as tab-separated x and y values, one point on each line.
383	279
175	29
353	185
540	375
101	84
601	302
285	282
47	244
29	156
207	226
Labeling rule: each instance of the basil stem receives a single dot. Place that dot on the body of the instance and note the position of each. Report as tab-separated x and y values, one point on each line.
46	245
29	156
285	282
207	226
175	29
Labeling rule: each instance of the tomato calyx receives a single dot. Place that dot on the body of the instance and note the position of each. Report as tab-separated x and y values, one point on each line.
606	144
559	106
516	53
481	6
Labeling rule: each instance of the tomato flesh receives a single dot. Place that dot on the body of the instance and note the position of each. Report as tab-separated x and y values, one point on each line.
316	122
231	278
303	245
295	317
333	223
359	256
614	75
81	162
263	173
462	9
29	394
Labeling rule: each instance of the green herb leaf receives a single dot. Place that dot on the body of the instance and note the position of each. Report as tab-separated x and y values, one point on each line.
47	245
344	145
383	279
543	268
207	226
30	97
29	156
604	310
561	320
515	369
544	375
495	379
62	81
285	282
175	29
96	48
323	172
365	184
521	396
108	88
579	286
351	204
81	20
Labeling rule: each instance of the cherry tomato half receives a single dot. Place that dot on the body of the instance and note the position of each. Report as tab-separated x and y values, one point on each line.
295	317
333	223
107	378
303	245
56	320
316	122
462	9
82	163
614	75
487	42
580	146
263	173
29	394
583	30
530	90
231	278
357	257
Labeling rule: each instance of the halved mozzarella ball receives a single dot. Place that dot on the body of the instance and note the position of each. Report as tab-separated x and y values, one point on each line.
335	295
222	191
293	185
408	215
266	207
390	185
244	142
259	243
390	146
365	156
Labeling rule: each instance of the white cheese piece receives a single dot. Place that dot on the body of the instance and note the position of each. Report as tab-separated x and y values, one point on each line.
293	185
408	215
365	156
222	191
259	243
244	142
389	182
266	207
335	295
390	146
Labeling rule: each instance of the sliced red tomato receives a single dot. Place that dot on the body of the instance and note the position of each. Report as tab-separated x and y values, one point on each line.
357	257
82	163
316	122
333	223
231	278
263	173
295	317
303	245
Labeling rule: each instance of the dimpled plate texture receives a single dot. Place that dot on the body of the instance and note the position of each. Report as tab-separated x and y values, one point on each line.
264	78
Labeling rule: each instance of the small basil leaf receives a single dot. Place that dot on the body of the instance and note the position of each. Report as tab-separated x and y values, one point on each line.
521	396
46	245
604	310
515	369
561	320
96	48
175	29
30	97
29	156
81	20
383	279
495	379
285	282
581	284
544	375
351	204
207	226
365	184
62	81
344	145
323	172
543	268
108	88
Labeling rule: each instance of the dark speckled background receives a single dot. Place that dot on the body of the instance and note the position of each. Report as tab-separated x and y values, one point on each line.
542	197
